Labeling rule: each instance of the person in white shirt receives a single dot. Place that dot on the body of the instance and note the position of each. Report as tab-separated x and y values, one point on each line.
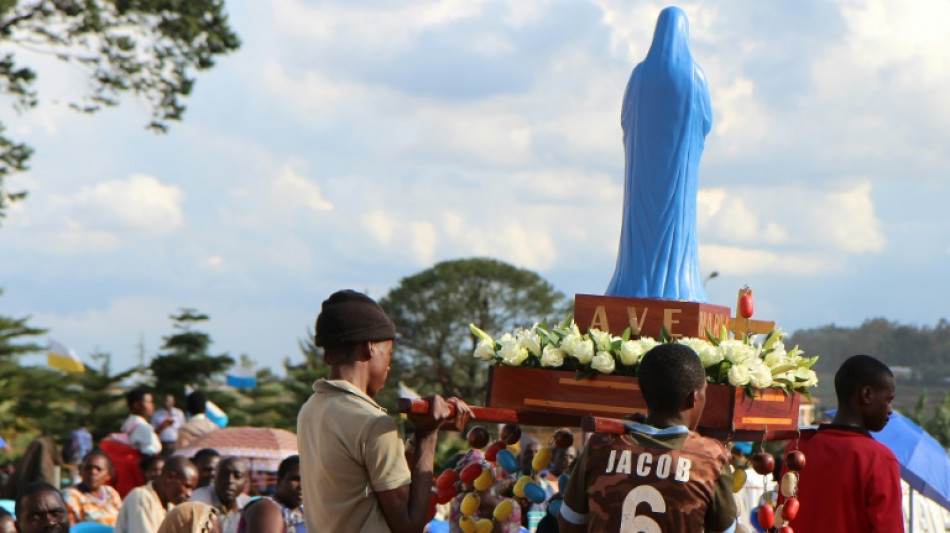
227	493
166	422
136	426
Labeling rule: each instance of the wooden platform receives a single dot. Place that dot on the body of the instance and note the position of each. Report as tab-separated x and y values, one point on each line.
555	398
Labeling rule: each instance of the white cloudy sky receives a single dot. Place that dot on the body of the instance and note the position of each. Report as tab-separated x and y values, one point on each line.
350	144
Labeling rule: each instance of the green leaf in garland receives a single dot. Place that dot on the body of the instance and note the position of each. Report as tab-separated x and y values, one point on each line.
665	337
626	334
786	382
480	334
567	321
709	336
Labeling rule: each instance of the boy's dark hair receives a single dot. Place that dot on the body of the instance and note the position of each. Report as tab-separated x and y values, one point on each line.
205	452
195	402
286	465
136	395
4	514
32	488
859	371
667	374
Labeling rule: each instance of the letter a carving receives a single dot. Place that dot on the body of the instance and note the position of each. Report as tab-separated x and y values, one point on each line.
600	319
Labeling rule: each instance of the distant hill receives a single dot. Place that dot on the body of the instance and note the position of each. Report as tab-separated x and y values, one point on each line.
918	355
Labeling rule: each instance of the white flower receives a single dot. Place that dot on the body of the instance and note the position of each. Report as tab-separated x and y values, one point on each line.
736	351
778	356
602	339
552	356
511	351
775	337
708	354
584	351
647	343
530	339
603	362
570	341
631	352
809	375
788	375
485	350
739	375
760	376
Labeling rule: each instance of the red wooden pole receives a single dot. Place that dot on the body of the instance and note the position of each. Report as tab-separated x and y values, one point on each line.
481	414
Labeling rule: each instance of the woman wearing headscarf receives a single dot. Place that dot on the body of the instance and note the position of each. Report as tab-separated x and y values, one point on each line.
191	517
93	500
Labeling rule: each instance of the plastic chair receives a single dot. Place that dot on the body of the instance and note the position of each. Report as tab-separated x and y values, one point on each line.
90	527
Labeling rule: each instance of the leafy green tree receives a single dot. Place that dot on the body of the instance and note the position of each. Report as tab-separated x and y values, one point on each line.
13	332
939	425
432	311
16	339
185	359
150	48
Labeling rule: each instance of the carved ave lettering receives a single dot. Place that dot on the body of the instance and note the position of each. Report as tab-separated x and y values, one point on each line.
600	319
636	325
669	321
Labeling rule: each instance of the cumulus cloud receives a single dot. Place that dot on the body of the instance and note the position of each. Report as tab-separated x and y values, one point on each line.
796	230
746	261
141	203
293	190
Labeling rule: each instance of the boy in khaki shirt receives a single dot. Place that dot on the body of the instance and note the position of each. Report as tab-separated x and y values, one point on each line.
353	464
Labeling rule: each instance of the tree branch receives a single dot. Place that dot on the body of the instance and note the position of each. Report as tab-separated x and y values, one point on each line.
5	25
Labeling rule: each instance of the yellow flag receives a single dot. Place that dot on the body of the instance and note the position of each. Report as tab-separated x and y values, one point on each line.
63	358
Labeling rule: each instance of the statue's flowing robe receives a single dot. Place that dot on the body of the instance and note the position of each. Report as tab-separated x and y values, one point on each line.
665	118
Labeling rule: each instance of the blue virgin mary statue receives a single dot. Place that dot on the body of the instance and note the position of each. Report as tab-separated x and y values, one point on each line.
665	118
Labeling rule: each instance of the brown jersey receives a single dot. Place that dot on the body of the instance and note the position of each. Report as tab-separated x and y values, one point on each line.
652	483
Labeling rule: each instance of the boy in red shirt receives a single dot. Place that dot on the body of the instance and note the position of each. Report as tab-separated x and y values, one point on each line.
851	482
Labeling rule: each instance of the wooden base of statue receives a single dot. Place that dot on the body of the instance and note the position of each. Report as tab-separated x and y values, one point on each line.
555	398
544	397
647	317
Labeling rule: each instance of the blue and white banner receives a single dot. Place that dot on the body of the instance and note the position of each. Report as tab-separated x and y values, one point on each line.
242	378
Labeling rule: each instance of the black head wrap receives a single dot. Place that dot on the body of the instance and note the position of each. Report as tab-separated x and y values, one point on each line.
350	317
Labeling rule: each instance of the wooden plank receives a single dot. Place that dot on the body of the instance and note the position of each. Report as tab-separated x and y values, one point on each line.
646	317
555	393
497	415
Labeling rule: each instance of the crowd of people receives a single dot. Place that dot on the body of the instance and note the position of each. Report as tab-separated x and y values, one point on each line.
135	483
355	473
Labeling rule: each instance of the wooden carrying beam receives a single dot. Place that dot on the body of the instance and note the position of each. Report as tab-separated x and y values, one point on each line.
597	424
